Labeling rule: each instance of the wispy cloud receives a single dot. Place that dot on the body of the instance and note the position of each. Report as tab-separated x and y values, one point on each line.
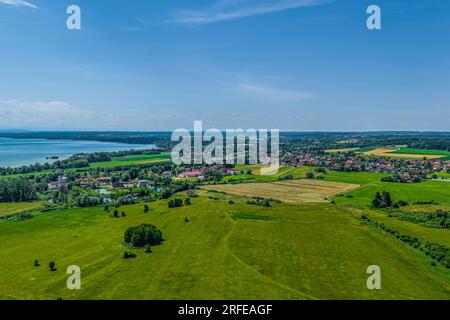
273	94
61	115
35	114
19	3
224	10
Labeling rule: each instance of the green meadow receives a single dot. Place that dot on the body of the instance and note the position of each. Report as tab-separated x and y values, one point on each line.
228	248
255	176
438	191
7	209
225	251
132	160
421	151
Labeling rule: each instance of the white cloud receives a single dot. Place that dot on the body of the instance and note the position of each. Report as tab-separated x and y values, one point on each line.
19	3
272	94
224	10
60	115
38	114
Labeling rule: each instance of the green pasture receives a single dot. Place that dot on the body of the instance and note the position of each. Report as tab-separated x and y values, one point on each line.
225	251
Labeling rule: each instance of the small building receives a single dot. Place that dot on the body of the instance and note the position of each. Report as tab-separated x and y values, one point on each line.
191	174
143	184
104	180
61	182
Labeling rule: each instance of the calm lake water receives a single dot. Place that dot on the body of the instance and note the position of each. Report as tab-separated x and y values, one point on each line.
19	152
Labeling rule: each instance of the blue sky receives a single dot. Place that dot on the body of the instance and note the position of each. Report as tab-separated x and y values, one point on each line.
302	65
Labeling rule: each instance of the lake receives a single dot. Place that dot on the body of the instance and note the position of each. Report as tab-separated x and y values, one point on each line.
19	152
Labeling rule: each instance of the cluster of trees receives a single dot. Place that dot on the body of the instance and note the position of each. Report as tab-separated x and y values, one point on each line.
175	203
142	235
288	176
84	200
384	200
438	219
212	175
263	202
400	179
17	190
436	251
129	255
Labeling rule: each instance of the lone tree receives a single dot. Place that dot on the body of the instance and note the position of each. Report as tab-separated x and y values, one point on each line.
310	175
146	208
51	265
142	235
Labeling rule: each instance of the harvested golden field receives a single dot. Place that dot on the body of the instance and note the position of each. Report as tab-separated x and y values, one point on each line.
294	191
341	150
389	152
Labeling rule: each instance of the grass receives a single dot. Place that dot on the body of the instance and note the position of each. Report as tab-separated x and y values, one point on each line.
360	178
11	208
425	191
287	191
132	160
297	173
424	152
423	233
289	251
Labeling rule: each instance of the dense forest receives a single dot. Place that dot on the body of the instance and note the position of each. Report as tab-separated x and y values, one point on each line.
17	190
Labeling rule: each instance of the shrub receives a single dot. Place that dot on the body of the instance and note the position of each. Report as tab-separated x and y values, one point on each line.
148	249
129	255
36	263
144	234
310	175
52	265
175	203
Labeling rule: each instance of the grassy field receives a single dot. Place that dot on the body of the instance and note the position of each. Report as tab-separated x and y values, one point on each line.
424	234
238	251
291	191
297	173
423	152
7	209
412	192
132	160
360	178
